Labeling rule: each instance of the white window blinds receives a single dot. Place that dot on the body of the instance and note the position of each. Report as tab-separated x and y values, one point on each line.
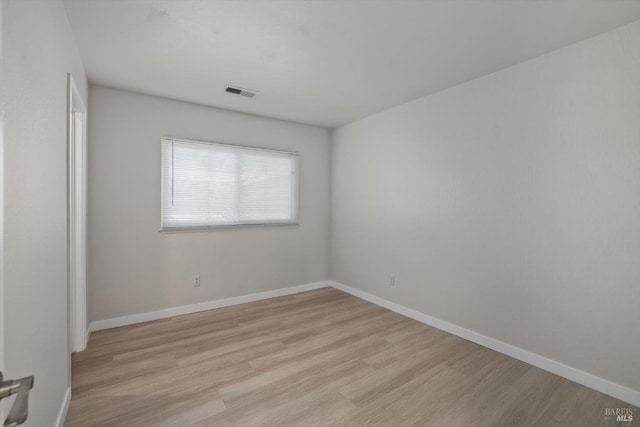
210	184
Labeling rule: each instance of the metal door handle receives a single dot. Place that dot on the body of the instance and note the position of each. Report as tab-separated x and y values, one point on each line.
20	409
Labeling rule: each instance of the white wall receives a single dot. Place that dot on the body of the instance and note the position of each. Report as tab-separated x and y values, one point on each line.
39	50
508	205
132	267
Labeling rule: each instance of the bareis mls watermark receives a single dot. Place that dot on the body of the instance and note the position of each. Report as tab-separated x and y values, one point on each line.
622	414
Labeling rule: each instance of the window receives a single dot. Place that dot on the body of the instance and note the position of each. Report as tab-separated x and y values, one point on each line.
206	184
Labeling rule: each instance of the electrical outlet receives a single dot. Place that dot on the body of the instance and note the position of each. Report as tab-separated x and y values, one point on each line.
196	280
392	280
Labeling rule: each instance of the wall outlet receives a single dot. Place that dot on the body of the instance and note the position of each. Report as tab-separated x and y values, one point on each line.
392	280
196	280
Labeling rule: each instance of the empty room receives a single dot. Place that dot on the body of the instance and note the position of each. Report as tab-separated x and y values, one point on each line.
309	213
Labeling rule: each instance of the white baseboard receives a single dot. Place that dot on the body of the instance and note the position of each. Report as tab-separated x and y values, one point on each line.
81	345
99	325
62	415
589	380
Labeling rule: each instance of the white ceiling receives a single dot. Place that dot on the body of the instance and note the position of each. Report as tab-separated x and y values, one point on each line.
322	62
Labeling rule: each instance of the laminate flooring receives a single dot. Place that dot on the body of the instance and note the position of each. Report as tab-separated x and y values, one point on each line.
319	358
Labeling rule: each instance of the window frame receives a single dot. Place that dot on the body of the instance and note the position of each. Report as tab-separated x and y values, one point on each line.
294	221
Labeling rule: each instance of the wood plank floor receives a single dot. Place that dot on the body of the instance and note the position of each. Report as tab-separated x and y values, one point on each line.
319	358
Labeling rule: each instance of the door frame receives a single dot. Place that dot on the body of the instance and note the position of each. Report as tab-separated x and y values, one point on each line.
77	216
2	108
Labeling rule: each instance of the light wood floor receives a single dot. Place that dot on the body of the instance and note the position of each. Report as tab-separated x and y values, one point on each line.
320	358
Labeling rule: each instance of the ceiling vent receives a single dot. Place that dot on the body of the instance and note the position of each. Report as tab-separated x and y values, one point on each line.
240	91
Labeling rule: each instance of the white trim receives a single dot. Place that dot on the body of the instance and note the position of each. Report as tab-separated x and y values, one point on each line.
99	325
62	415
224	227
76	215
589	380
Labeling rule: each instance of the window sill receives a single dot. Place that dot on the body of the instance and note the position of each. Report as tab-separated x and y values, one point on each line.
199	229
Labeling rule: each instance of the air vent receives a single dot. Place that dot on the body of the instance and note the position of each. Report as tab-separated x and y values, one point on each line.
240	91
